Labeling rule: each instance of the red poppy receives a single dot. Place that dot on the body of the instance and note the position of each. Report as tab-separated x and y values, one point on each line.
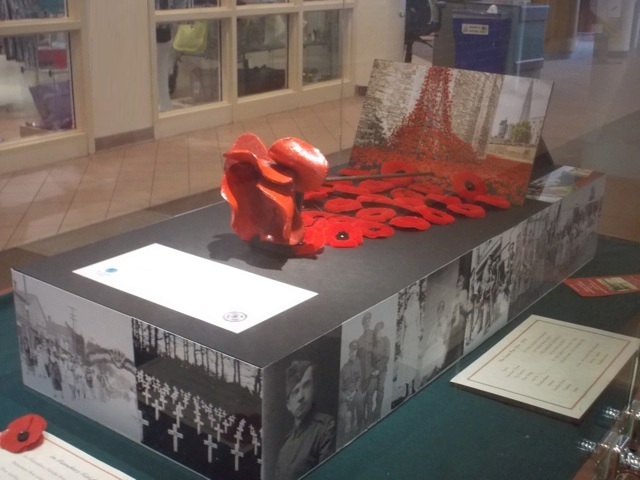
405	193
375	229
410	223
341	219
332	185
374	199
344	235
493	201
356	172
339	205
312	195
23	433
468	186
398	166
443	199
379	214
309	217
426	188
411	204
376	186
350	190
468	210
436	216
314	239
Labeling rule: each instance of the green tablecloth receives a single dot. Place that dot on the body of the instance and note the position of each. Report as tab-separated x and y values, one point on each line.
441	433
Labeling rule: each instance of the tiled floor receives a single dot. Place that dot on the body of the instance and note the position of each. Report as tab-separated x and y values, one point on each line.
592	122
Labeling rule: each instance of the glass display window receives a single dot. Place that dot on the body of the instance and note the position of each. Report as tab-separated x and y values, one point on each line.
36	97
322	57
188	64
180	4
257	2
262	54
20	9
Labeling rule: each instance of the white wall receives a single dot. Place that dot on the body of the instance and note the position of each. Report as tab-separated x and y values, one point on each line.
379	33
119	66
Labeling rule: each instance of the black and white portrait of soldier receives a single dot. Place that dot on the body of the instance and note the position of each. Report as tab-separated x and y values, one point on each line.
352	394
301	395
380	356
312	438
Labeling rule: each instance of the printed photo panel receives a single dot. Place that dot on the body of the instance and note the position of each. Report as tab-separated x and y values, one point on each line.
431	321
366	369
490	288
77	352
446	122
576	222
198	406
300	408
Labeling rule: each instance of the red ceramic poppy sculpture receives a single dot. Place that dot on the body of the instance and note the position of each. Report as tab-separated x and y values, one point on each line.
265	187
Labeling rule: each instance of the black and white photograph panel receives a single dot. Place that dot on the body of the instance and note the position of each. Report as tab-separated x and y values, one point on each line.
366	367
78	353
300	409
489	290
552	270
430	327
521	268
576	223
409	320
531	249
447	310
198	406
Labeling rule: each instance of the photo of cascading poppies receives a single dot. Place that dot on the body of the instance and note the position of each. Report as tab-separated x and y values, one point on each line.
446	123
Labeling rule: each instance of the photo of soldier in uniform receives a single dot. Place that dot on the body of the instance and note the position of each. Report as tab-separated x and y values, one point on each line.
352	396
300	409
366	363
312	437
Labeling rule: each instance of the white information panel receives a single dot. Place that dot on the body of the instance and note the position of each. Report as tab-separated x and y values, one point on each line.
551	365
55	459
224	296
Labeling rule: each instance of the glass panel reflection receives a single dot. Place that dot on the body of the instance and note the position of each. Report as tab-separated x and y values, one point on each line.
253	2
21	9
179	4
262	54
188	64
322	53
35	86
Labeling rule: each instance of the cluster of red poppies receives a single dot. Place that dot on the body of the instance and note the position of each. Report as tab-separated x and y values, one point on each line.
343	213
502	177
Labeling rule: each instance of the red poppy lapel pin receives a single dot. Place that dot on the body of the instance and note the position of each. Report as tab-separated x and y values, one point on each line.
24	433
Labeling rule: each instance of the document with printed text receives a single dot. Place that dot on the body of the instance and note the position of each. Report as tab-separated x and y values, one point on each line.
215	293
551	365
55	459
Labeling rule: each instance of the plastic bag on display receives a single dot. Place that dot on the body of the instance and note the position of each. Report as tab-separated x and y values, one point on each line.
191	38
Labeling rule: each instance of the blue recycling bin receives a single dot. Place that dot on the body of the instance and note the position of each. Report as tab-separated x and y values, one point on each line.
481	41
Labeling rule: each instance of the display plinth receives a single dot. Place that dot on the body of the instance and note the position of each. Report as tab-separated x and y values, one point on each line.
388	317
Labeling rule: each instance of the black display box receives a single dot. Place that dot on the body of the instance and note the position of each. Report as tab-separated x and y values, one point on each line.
388	317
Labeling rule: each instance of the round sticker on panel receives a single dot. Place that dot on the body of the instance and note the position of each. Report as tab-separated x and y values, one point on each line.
235	316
